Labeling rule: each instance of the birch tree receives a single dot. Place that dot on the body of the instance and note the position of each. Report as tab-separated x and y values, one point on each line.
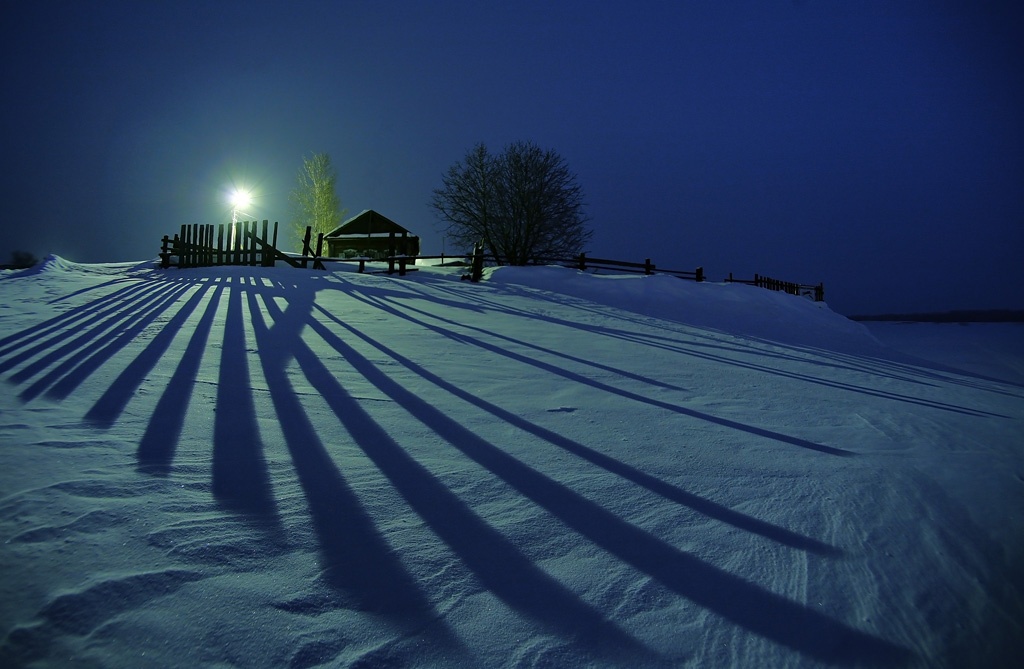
314	200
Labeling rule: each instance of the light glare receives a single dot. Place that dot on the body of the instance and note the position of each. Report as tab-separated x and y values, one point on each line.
241	198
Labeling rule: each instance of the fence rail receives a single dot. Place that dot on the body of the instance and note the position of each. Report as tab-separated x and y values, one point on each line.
803	289
583	263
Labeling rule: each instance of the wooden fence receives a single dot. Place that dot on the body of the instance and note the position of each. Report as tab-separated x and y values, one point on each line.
803	289
583	263
248	243
241	243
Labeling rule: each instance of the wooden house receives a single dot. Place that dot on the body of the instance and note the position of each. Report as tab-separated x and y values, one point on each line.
369	234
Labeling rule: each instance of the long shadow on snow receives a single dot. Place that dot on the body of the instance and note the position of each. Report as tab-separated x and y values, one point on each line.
807	378
240	477
160	440
892	365
807	355
609	464
578	378
743	343
745	604
111	404
357	561
88	322
101	351
495	561
241	481
63	320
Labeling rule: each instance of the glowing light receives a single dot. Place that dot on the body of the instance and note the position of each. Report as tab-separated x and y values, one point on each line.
240	199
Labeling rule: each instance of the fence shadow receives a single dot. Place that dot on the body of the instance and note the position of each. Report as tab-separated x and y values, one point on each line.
240	476
762	612
651	483
894	367
357	561
494	560
626	394
61	340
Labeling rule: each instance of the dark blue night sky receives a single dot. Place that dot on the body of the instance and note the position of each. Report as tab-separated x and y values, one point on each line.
876	146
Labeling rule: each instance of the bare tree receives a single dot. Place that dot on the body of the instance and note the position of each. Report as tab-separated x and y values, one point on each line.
523	205
314	200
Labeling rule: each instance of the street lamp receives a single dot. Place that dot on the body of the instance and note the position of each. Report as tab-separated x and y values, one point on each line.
240	200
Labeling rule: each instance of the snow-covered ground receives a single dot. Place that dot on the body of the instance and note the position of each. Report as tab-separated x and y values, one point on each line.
284	468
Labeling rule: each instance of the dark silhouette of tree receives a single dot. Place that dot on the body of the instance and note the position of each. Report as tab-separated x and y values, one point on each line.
22	260
523	204
314	200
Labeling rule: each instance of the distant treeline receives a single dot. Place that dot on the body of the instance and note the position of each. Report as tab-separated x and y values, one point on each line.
968	316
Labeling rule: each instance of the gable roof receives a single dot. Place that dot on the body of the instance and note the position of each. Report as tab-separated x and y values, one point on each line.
366	223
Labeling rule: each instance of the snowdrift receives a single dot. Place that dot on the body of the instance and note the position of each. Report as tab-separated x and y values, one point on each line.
275	467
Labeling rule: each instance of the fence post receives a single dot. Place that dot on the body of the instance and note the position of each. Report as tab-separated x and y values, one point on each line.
317	263
306	251
197	239
477	272
209	243
202	246
183	250
186	245
262	247
220	243
246	243
193	248
819	292
648	267
391	253
583	262
700	274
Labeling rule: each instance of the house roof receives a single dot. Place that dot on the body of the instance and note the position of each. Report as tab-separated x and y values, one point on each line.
366	223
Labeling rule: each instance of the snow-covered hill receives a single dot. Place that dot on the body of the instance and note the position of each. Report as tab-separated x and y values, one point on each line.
275	467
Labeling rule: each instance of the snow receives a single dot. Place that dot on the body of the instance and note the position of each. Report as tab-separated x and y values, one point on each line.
268	467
